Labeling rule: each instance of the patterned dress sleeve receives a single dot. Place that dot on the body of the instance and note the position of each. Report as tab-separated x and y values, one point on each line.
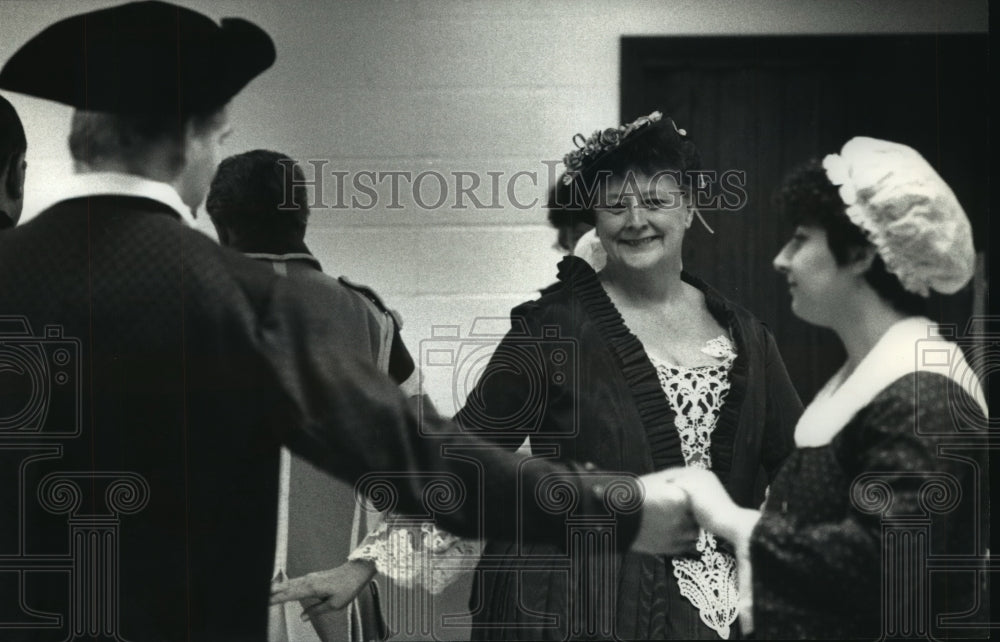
819	543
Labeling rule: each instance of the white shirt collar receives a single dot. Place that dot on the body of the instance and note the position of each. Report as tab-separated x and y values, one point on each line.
118	184
911	345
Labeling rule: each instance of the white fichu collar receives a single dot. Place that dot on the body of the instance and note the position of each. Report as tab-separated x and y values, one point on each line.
909	346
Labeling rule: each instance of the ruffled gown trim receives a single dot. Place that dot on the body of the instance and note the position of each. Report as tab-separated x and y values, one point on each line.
654	409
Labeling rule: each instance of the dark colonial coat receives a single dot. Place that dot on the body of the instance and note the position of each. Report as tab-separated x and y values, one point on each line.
150	377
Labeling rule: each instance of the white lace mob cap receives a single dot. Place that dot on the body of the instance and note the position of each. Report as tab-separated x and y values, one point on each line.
908	212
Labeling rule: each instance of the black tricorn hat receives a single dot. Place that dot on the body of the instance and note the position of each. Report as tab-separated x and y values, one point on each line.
140	58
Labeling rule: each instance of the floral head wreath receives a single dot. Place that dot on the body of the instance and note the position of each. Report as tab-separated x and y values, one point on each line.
601	142
588	150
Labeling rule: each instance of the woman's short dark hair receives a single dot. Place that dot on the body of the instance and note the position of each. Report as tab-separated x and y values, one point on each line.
807	197
652	150
259	193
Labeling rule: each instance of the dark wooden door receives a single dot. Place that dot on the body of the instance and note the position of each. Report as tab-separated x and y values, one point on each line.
762	105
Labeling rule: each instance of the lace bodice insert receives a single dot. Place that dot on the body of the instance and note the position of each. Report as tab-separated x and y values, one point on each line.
696	395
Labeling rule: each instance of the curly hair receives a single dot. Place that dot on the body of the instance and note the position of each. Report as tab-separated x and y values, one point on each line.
652	150
807	197
261	194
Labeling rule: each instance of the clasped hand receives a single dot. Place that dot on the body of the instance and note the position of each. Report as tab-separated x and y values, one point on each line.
677	501
702	495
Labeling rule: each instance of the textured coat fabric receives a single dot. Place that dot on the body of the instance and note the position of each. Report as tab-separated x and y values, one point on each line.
379	335
172	370
606	407
851	529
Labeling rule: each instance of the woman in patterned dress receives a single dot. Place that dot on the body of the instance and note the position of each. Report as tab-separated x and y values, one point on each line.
635	368
889	473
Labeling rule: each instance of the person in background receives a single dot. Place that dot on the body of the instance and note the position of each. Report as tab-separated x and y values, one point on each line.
569	221
13	147
891	450
259	206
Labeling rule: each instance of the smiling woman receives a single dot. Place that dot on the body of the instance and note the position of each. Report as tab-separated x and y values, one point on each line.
645	227
665	372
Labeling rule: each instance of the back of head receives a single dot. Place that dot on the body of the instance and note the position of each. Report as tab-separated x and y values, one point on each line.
258	202
13	145
134	142
142	77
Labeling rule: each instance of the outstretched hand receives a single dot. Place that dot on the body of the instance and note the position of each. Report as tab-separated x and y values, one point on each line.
337	587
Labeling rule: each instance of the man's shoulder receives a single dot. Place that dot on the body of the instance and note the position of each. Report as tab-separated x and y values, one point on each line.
325	295
138	235
372	297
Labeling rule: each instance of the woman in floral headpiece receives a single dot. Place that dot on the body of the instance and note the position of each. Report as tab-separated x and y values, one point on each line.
635	368
887	474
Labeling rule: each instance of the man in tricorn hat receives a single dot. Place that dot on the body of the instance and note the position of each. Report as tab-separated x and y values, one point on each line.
155	375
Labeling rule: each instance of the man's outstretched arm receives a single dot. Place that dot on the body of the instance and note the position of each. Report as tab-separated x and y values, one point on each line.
351	420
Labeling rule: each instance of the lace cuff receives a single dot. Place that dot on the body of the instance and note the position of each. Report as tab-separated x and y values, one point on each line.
419	555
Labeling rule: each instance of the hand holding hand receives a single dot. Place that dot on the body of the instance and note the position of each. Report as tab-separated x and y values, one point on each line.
712	506
668	527
337	587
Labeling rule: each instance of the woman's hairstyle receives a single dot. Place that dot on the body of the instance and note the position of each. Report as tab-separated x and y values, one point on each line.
650	146
807	197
